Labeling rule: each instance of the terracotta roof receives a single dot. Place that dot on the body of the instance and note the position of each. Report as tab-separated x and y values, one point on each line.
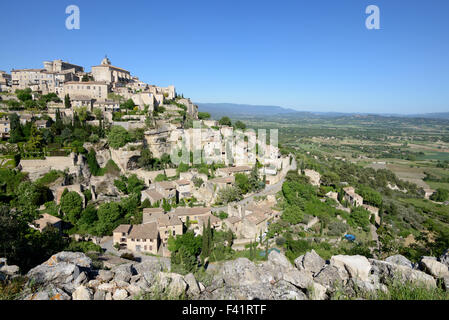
230	179
153	194
187	211
144	231
235	169
86	82
182	182
213	219
123	228
153	210
233	219
168	220
166	184
256	217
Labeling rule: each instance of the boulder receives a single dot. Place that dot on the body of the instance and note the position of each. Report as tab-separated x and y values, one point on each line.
100	295
49	292
152	264
317	292
299	278
62	269
82	293
76	258
279	260
120	294
444	259
10	270
387	271
331	277
123	272
105	275
445	283
240	272
358	267
172	284
81	279
193	288
400	260
298	262
108	287
313	262
434	268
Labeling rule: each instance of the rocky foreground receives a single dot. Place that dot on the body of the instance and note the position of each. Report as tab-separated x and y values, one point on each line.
71	276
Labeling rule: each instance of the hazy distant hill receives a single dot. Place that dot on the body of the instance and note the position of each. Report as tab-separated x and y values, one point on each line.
218	110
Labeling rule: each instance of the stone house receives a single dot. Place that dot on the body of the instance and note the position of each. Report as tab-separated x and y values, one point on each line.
5	127
314	177
192	213
234	223
353	198
138	238
215	223
221	183
91	89
228	171
47	220
166	188
152	195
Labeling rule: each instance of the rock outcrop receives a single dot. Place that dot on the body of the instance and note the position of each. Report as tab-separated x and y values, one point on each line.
69	275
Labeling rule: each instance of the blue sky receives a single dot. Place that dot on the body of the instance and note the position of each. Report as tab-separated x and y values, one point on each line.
308	55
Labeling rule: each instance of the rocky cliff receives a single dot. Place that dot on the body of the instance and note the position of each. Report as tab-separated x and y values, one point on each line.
72	276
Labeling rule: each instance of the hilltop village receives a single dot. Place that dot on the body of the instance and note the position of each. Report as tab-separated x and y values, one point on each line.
115	189
101	142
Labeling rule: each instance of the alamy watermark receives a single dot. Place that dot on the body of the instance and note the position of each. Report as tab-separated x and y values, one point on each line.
73	20
226	146
373	20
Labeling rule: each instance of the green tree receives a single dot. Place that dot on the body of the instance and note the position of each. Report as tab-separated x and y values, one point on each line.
203	115
440	195
225	121
117	137
109	215
67	102
71	206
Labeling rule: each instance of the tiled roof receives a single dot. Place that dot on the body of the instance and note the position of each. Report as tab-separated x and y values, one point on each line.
144	231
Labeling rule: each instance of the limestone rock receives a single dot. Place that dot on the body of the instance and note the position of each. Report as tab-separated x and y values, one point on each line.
358	266
10	270
120	294
240	272
388	271
123	272
50	292
172	284
82	293
193	288
299	278
435	268
279	260
317	292
331	277
100	295
105	275
401	260
313	262
444	259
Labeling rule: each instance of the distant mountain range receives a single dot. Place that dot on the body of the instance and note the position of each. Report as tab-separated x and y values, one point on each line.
218	110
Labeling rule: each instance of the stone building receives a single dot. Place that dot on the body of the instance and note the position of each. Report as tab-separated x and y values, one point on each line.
5	127
192	213
91	89
47	220
138	238
48	79
105	72
353	198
